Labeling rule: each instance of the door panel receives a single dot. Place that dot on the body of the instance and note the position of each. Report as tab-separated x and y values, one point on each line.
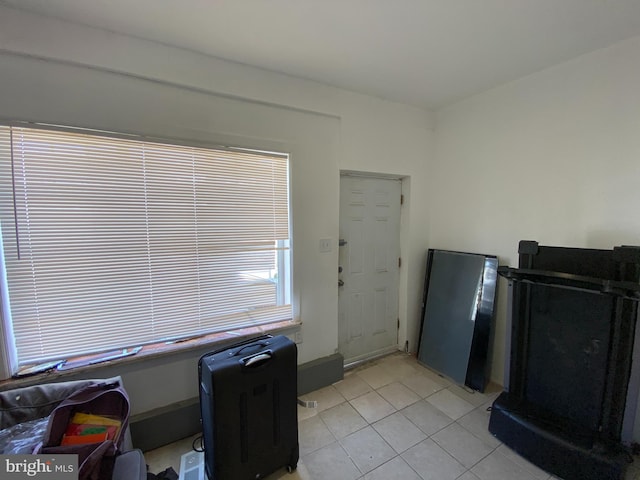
368	298
381	310
356	316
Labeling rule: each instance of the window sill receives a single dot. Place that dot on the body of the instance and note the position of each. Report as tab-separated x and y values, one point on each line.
153	351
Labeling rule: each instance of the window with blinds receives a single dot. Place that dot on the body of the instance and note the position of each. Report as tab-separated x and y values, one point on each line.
116	242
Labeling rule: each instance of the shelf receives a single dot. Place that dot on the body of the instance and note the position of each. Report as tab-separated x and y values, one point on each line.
628	290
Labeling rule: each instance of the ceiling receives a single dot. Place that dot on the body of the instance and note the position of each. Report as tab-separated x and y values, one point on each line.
427	53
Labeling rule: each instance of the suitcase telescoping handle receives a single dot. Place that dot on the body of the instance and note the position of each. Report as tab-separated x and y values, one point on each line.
253	345
257	360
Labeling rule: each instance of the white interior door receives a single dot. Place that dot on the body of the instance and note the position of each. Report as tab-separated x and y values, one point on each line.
369	264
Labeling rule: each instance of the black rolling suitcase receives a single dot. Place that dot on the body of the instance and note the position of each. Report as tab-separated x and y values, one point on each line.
248	408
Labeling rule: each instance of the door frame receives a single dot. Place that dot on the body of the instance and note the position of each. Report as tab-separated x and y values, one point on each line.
402	332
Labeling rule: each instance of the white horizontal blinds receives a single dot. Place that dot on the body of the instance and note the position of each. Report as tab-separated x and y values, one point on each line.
124	242
230	214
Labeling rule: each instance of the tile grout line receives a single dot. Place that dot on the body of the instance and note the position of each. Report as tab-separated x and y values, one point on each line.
400	381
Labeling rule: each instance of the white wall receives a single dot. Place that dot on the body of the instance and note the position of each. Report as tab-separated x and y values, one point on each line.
395	141
58	72
553	157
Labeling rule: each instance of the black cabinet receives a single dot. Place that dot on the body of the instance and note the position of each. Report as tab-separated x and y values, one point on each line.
571	369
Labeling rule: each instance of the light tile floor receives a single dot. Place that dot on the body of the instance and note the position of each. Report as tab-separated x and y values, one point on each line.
394	419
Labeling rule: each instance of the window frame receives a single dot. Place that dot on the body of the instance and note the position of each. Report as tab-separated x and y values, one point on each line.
284	262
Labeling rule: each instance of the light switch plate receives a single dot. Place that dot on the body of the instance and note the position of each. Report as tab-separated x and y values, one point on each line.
325	245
